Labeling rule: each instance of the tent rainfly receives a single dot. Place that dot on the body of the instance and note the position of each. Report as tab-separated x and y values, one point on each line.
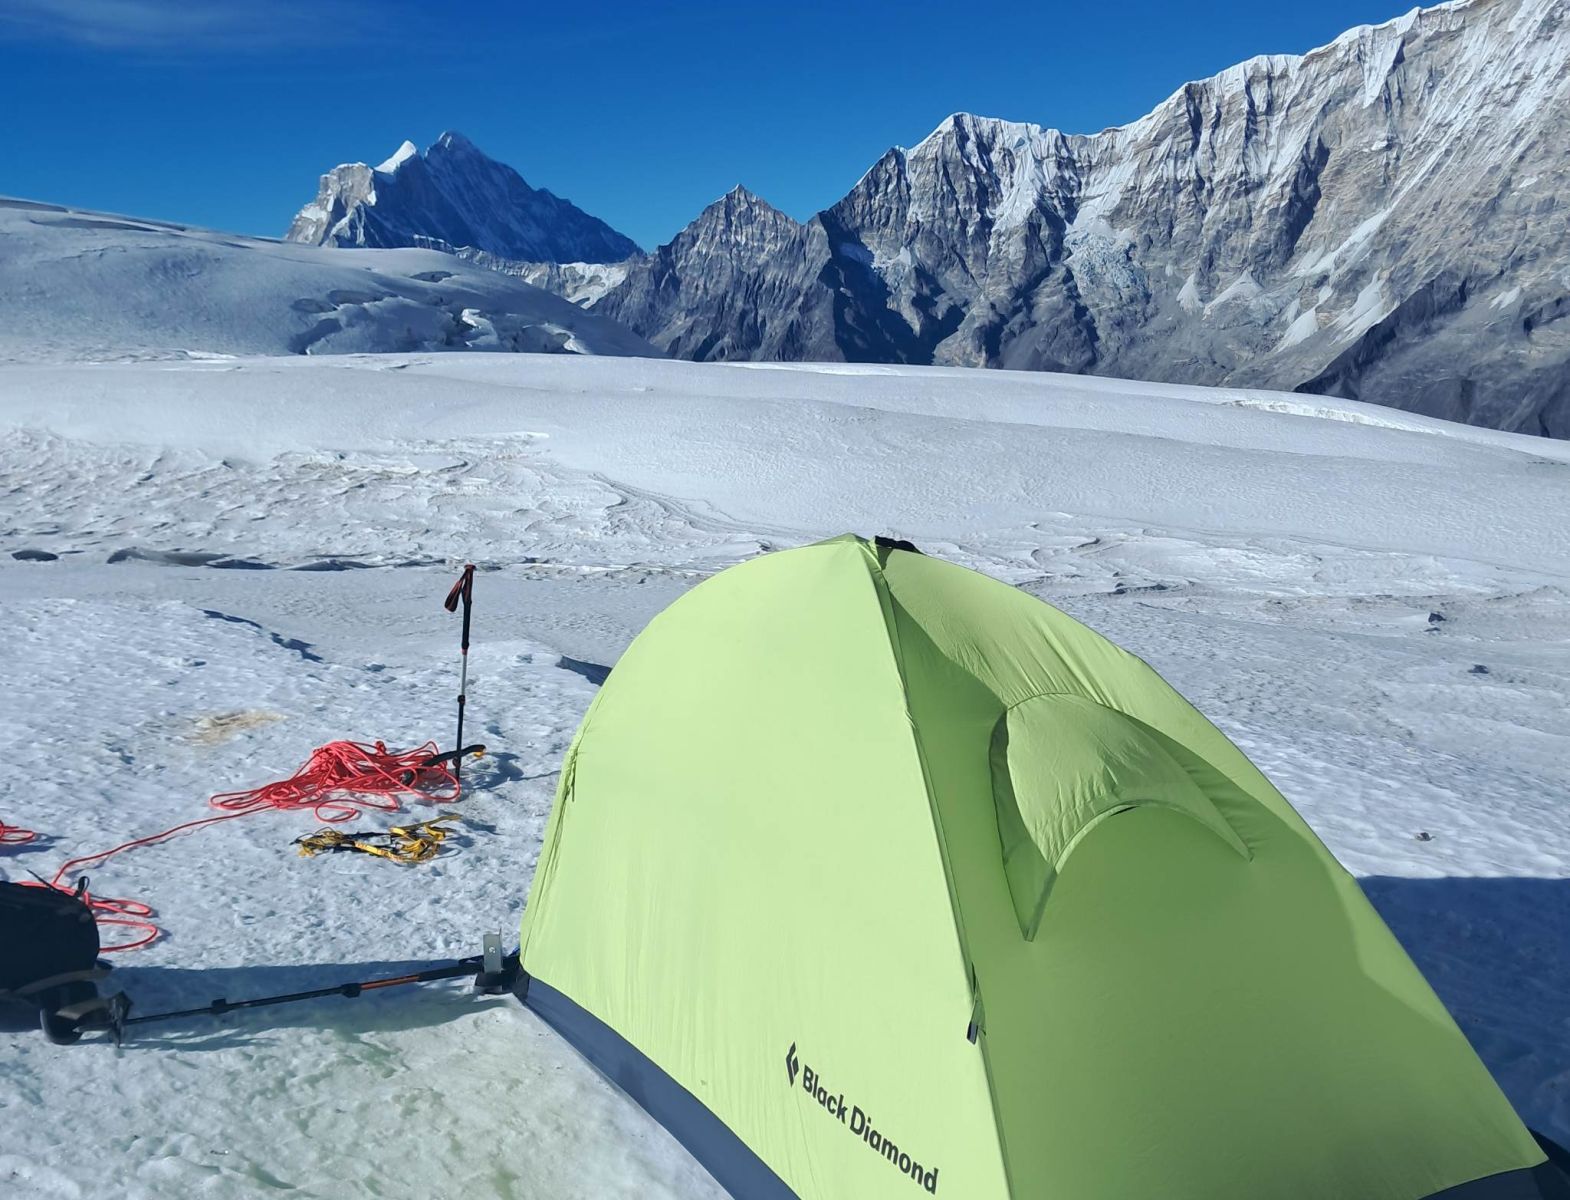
870	876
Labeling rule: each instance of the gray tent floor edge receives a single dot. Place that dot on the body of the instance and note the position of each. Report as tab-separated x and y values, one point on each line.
708	1139
747	1177
1543	1182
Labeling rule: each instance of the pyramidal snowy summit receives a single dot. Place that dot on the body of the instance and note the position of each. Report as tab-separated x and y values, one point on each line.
454	198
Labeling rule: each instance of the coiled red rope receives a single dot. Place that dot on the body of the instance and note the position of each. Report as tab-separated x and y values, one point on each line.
372	776
15	835
337	783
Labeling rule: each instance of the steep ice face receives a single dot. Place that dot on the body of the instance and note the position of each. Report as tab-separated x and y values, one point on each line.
453	197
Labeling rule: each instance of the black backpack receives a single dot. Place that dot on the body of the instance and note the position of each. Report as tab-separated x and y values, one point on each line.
49	956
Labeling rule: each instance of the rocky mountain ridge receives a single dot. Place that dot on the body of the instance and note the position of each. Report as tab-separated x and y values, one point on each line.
1382	218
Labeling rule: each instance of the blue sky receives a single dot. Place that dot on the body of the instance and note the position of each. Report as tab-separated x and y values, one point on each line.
224	114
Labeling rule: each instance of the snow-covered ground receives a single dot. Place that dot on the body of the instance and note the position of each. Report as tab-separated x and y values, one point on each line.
251	560
77	284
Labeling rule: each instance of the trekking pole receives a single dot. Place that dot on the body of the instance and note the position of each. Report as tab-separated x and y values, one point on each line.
493	973
462	590
456	970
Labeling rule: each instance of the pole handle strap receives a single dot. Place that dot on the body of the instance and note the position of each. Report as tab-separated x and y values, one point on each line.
462	590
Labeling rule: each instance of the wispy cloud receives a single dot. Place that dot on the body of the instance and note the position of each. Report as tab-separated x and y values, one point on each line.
184	24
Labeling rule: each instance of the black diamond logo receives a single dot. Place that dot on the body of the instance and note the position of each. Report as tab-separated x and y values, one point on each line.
792	1063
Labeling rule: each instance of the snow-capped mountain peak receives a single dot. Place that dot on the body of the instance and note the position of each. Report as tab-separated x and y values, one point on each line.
453	197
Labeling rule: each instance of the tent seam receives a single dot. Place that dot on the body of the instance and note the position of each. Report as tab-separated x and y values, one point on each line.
886	605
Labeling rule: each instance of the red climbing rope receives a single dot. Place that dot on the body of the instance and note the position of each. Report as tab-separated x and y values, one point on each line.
373	775
15	835
338	782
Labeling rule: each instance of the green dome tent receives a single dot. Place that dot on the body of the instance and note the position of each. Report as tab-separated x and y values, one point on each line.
870	876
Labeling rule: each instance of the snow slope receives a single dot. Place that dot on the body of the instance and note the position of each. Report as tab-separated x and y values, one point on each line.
251	556
84	285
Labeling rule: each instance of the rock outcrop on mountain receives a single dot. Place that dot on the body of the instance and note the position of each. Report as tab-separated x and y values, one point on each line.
725	287
454	198
1386	218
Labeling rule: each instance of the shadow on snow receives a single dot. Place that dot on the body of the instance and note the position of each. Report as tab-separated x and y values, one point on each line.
163	989
1497	951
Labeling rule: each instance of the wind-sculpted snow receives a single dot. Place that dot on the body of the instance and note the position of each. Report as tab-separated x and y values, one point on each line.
209	568
81	285
1381	219
455	198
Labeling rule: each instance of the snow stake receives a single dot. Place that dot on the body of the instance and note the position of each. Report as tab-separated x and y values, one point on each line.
462	590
